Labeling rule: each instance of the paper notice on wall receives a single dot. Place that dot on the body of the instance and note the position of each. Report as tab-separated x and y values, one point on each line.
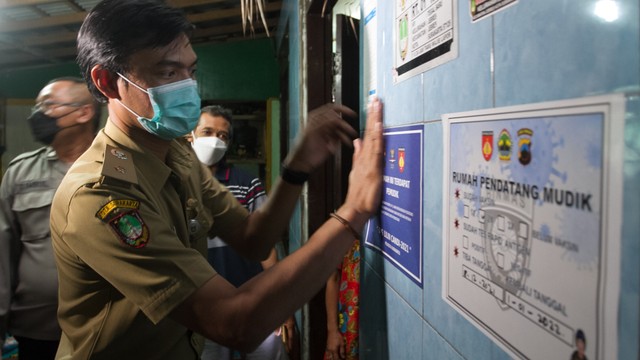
370	39
480	9
425	36
531	225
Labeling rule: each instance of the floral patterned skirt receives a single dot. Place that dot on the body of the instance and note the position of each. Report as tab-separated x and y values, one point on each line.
349	301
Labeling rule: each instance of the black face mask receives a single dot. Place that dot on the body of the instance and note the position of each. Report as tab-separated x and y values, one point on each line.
44	127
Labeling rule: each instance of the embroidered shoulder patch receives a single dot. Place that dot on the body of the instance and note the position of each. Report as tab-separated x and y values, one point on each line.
125	220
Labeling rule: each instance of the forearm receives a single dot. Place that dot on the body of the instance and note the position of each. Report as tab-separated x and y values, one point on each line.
271	260
331	301
301	274
266	224
243	317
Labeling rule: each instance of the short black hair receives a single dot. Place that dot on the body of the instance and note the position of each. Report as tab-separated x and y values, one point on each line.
97	108
115	29
217	110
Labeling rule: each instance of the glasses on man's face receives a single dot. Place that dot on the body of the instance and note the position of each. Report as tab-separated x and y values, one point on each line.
50	105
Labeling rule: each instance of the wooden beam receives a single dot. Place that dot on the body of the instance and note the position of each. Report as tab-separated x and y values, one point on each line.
73	5
51	56
38	40
228	13
69	19
227	29
188	3
15	3
62	52
77	18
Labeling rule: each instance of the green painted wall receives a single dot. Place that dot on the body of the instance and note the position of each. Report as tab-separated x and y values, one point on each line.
242	70
26	83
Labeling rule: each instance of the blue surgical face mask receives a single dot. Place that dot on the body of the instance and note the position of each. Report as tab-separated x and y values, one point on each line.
176	108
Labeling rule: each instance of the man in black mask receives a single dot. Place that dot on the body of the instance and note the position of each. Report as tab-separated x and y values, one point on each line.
64	119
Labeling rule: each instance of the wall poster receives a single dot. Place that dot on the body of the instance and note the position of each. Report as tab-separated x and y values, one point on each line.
482	8
397	230
531	224
425	36
370	49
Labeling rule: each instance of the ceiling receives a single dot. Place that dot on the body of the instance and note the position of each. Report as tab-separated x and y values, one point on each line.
43	32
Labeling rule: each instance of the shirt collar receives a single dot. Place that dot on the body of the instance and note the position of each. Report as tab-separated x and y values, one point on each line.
179	158
51	154
222	172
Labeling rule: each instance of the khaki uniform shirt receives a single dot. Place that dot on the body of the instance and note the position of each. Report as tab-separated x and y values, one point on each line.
28	276
125	229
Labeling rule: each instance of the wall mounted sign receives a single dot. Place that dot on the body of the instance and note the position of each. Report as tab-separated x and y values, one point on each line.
397	230
370	48
425	36
480	9
531	224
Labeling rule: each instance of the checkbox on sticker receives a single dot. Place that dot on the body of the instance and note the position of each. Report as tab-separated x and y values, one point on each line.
500	222
466	211
523	230
465	241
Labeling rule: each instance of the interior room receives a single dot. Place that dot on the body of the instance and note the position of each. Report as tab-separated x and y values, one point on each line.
508	227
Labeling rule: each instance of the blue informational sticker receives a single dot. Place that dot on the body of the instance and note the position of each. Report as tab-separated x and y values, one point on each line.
397	229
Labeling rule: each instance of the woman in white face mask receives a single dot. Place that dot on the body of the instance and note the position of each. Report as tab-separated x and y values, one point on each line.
210	140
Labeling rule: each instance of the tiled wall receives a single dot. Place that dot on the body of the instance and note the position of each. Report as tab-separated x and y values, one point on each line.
543	50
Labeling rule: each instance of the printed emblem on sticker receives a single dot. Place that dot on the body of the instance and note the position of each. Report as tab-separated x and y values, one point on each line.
131	229
487	145
504	145
524	146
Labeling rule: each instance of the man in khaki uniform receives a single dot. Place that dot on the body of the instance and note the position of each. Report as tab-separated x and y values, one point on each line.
128	219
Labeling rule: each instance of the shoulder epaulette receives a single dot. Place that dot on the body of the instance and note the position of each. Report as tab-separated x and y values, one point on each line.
118	164
28	154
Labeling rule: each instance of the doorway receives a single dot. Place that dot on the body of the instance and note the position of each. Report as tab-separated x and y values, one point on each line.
333	76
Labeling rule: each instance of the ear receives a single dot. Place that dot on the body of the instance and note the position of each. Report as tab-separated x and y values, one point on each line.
105	82
86	113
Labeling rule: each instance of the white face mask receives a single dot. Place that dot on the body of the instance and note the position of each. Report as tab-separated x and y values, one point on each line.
209	150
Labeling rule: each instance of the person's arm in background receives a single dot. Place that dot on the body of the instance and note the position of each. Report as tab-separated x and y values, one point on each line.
255	201
335	343
242	317
8	250
321	137
288	332
289	327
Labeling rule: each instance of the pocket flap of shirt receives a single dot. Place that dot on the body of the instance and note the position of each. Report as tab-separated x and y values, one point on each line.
33	200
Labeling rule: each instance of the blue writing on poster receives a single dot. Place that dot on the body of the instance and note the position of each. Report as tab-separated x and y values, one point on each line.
397	229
